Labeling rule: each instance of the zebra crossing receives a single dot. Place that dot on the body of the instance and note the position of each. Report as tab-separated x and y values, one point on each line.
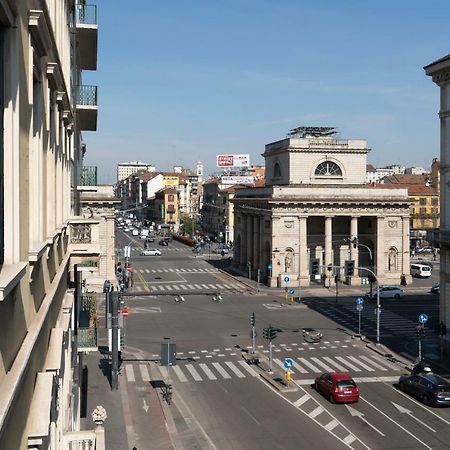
180	271
366	368
180	287
163	249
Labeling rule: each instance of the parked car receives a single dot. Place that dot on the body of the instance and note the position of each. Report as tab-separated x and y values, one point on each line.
425	250
154	252
387	292
311	335
421	270
164	242
430	388
435	289
338	387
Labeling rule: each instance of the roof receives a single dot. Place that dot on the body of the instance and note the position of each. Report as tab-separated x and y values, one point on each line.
406	179
438	61
370	168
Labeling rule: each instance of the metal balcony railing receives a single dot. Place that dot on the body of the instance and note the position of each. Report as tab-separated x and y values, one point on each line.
88	176
86	95
86	14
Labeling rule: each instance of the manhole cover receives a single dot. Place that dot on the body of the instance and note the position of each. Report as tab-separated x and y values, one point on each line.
166	338
234	335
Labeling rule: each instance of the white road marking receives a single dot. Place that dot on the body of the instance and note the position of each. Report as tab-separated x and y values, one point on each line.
364	366
182	286
169	288
349	439
308	364
375	364
181	376
192	352
197	286
335	364
234	369
129	372
154	288
193	372
301	400
246	367
171	270
332	425
144	372
315	412
322	364
221	370
213	286
208	371
177	288
205	286
348	364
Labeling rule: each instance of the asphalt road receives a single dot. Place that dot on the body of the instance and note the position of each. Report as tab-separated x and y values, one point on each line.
221	402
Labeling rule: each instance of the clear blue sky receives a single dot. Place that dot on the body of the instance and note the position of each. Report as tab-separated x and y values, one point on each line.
181	81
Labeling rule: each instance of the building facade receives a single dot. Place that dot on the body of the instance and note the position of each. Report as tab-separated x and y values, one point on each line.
314	201
44	47
440	73
124	170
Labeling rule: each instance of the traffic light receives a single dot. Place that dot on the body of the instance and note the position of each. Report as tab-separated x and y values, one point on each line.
252	320
272	333
355	242
315	266
266	333
420	331
349	268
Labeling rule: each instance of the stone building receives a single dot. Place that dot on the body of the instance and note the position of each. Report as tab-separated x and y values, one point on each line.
440	72
314	201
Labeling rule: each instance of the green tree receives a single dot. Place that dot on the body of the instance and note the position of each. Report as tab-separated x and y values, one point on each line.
189	225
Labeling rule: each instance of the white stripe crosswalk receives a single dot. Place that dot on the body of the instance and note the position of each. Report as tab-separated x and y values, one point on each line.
226	370
176	287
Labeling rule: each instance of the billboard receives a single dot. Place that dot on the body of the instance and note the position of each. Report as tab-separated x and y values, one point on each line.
171	180
237	180
233	161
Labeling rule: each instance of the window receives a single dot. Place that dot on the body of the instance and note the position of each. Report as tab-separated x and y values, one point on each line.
276	170
170	199
422	201
423	211
435	201
328	168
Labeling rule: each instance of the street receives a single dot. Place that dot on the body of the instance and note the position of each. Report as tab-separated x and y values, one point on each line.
219	401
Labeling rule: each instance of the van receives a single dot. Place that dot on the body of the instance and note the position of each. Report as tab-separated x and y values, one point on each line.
135	232
420	270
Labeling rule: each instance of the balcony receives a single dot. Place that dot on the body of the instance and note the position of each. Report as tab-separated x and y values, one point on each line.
87	31
86	106
88	176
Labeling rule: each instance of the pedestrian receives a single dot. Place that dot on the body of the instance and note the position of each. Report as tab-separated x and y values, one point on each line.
403	280
434	254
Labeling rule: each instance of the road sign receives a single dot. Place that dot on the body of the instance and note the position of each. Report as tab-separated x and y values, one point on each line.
269	266
423	318
288	363
291	291
359	307
359	301
124	311
286	279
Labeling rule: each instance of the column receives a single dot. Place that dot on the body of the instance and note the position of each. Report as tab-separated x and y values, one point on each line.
380	255
249	242
405	246
354	252
242	241
328	240
256	247
303	250
262	253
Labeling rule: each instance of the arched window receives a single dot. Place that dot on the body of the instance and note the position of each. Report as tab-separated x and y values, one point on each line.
276	170
328	168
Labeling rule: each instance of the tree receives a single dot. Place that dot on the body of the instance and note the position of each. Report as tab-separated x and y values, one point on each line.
189	224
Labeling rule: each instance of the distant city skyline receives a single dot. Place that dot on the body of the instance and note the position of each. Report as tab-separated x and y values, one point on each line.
189	81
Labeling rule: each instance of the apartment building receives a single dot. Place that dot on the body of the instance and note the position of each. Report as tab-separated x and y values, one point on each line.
45	45
124	170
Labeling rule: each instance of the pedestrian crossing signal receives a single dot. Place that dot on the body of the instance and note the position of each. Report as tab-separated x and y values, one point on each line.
315	266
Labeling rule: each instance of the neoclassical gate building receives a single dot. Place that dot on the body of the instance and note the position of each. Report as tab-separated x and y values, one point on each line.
314	201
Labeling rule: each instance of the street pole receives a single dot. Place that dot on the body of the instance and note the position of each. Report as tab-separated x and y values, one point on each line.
420	349
249	264
115	341
378	311
253	339
359	323
270	356
259	278
337	286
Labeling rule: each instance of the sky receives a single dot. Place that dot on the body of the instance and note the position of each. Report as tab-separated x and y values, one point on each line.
183	81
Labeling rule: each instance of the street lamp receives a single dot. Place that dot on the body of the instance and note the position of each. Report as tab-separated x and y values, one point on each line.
378	311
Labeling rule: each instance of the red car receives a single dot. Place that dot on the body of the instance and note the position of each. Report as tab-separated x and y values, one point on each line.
338	387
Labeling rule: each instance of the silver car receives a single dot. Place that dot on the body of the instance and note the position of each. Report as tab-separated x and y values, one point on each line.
387	292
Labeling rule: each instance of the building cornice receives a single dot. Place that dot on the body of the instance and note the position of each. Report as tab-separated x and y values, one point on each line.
40	31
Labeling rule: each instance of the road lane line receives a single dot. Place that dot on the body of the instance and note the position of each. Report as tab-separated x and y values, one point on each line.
171	270
374	363
221	370
348	364
144	372
334	363
309	365
179	373
234	369
396	423
322	364
154	288
129	372
161	288
349	439
301	400
195	375
207	371
246	367
364	366
315	412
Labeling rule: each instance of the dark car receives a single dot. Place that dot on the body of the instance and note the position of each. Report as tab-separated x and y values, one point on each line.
435	289
430	388
338	387
164	242
311	335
